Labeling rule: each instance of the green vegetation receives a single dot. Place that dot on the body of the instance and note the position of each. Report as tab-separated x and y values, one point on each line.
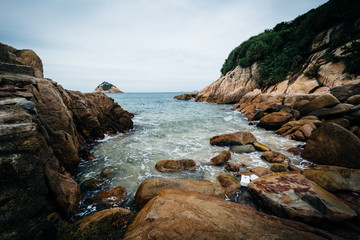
313	72
106	86
283	49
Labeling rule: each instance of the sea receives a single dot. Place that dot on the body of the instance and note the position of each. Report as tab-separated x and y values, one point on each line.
169	129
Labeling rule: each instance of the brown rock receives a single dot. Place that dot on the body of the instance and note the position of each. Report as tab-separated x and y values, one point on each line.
109	198
106	224
279	167
347	90
112	170
294	150
93	183
355	130
188	164
345	123
221	159
232	167
261	147
275	120
238	138
187	215
334	178
169	166
151	187
258	171
323	101
230	183
185	97
106	87
333	112
274	157
355	99
295	169
248	148
300	130
326	146
292	195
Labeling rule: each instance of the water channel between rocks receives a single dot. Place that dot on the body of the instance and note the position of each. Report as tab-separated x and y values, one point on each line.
168	129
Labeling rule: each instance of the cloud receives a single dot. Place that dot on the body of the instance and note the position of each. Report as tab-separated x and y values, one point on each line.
139	45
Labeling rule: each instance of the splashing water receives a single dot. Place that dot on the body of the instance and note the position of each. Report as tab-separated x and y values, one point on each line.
170	129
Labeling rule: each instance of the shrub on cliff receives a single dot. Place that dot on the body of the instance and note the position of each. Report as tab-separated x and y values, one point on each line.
283	49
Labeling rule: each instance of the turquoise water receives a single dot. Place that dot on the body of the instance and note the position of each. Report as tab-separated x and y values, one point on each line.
170	129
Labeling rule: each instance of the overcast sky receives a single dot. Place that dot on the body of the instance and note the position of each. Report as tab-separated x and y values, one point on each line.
139	45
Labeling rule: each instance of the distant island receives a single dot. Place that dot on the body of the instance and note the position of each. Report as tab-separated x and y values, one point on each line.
106	87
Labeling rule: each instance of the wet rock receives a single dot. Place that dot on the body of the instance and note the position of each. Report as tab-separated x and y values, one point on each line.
334	178
106	224
323	101
292	195
326	146
93	183
248	148
230	183
279	167
258	171
112	170
109	198
275	120
294	150
186	96
274	157
176	166
188	215
221	159
261	147
238	138
151	187
232	167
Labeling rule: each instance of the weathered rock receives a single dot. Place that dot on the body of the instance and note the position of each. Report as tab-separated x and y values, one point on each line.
323	101
248	148
292	195
299	130
238	138
261	147
186	96
355	99
258	171
109	198
187	215
232	167
106	87
333	112
274	157
326	146
106	224
334	178
151	187
347	90
176	166
93	183
188	164
355	130
113	170
345	123
279	167
230	183
294	150
275	120
221	159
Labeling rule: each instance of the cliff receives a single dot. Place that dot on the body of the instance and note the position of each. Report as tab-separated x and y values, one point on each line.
44	130
106	87
309	55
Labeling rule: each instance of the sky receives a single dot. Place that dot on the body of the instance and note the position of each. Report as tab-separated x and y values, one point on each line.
139	45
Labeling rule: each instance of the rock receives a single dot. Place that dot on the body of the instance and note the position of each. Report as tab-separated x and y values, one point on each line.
334	178
151	187
345	123
355	130
333	112
238	138
106	87
274	157
275	120
292	195
93	183
112	170
232	167
295	169
258	171
188	215
355	99
323	101
176	166
299	130
279	167
294	150
326	146
221	159
347	90
106	224
188	164
248	148
186	96
27	105
109	198
261	147
230	183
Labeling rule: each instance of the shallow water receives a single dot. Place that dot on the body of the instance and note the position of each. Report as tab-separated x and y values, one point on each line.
170	129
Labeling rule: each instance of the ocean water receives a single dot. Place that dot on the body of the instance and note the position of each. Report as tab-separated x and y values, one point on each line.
171	129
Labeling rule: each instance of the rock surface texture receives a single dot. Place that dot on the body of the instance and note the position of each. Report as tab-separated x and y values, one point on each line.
187	215
44	129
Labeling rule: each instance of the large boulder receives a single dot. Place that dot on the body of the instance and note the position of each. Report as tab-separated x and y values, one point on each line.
230	183
112	197
333	112
238	138
175	165
299	130
347	90
188	215
332	144
323	101
148	189
334	178
106	224
292	195
275	120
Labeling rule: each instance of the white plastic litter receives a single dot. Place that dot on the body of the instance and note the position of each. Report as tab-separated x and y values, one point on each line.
245	180
253	177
